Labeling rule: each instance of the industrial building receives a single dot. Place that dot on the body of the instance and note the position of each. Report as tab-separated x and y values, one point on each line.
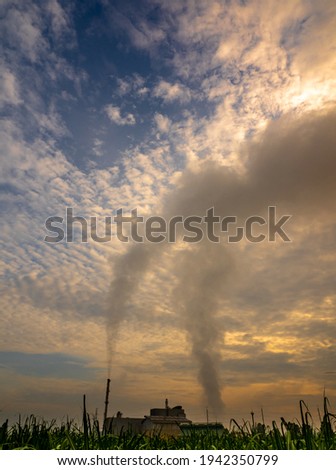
163	421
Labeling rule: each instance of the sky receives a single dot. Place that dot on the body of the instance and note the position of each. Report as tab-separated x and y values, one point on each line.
170	108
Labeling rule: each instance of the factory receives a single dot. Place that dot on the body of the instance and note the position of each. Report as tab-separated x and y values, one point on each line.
164	421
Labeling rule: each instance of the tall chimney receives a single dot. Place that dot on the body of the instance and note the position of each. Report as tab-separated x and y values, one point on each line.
106	401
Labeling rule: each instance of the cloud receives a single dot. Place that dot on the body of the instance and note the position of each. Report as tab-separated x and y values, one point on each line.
134	84
46	365
282	167
114	113
170	92
25	24
60	21
163	123
23	28
142	33
9	88
97	147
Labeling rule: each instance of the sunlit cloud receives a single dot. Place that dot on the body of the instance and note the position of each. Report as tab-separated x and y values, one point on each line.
115	116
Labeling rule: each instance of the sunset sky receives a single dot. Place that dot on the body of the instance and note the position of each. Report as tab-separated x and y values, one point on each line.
171	107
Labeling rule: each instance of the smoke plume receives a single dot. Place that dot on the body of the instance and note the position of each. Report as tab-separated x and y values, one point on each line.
291	165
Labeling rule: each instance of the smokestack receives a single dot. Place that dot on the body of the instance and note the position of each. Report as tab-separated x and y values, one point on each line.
106	401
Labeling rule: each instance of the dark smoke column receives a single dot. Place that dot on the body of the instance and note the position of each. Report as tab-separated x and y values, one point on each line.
202	274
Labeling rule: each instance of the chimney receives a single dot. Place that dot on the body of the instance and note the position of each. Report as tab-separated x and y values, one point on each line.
106	401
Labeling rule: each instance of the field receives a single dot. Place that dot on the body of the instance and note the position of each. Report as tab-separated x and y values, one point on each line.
36	433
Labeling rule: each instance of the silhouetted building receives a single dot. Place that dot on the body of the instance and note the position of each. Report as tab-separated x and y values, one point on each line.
164	421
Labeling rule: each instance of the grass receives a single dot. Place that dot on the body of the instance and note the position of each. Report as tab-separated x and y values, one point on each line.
36	433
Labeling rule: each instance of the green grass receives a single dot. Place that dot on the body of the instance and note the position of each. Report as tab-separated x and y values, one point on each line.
35	433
